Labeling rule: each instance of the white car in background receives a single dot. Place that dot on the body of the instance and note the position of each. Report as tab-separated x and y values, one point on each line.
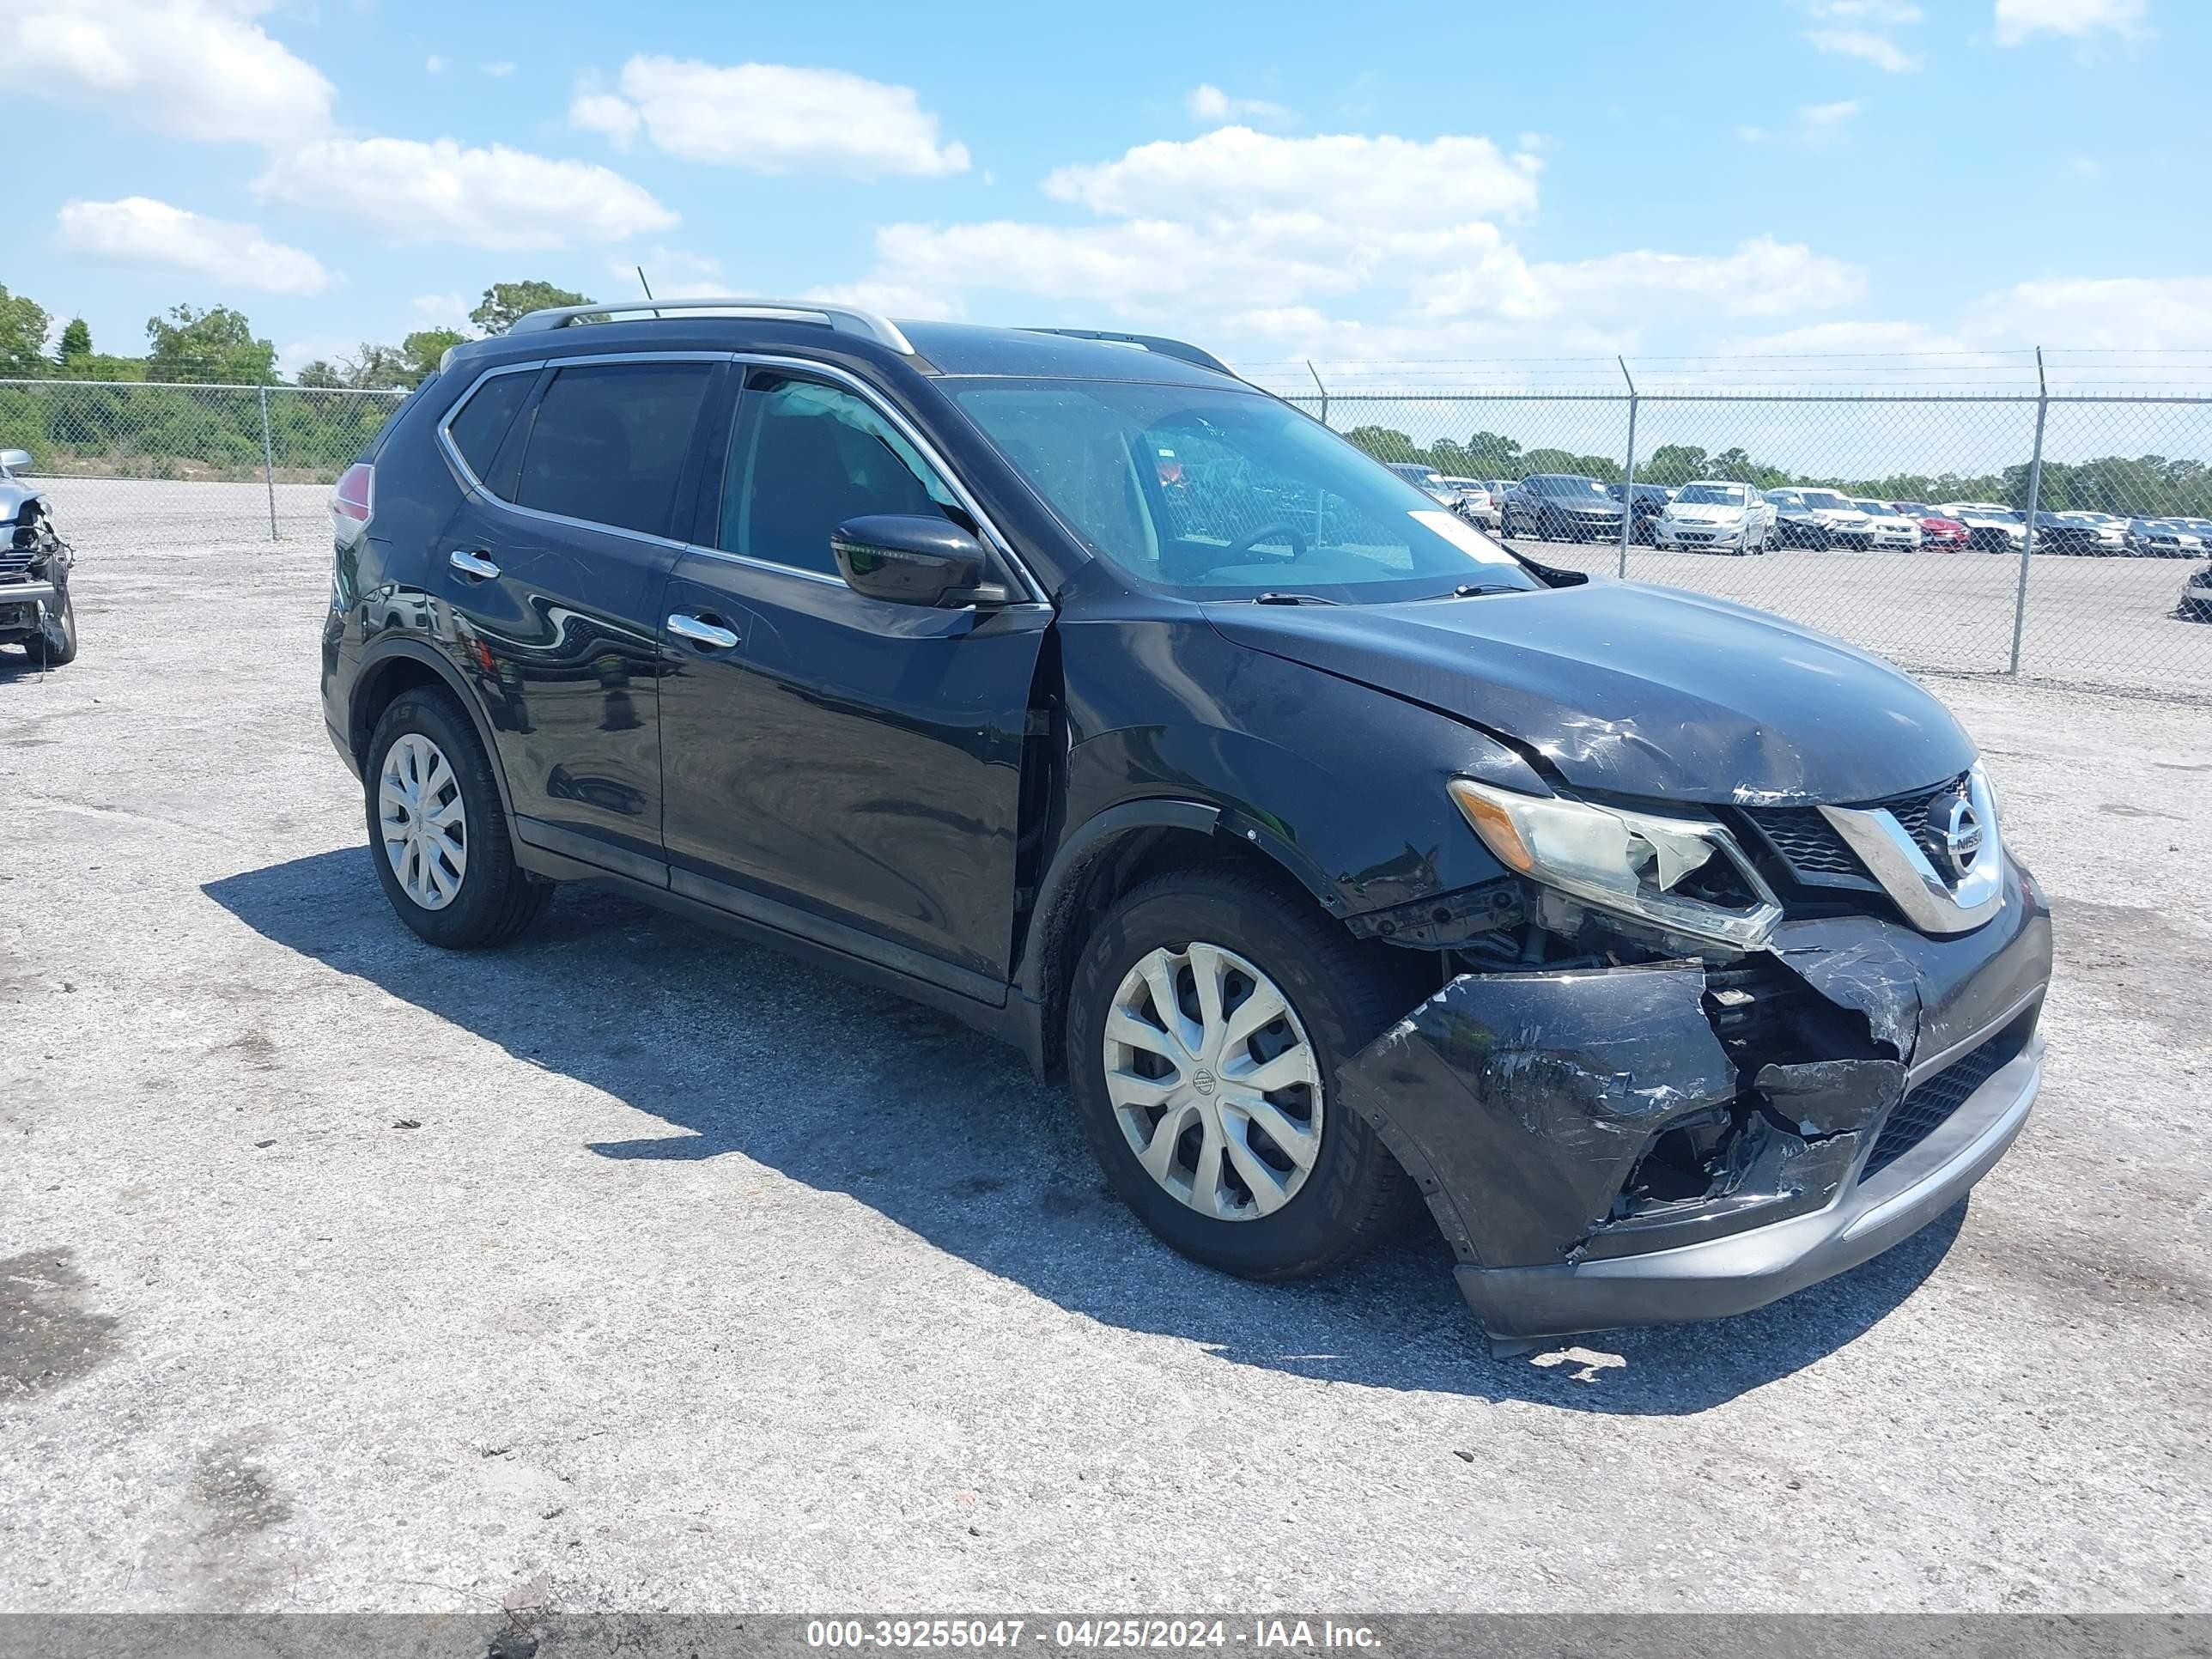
1991	526
1715	516
1890	527
1477	500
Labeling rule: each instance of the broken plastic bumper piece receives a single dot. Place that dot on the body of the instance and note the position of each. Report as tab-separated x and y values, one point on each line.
1634	1145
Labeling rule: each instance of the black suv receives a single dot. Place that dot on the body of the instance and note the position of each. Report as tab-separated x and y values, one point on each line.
1337	857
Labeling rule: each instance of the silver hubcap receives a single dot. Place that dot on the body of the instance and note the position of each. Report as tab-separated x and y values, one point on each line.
1214	1082
420	817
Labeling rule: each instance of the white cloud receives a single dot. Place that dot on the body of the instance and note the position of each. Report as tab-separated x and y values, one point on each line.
447	310
1815	126
2108	314
195	68
1235	173
603	113
499	70
1879	49
2019	19
433	65
403	191
1882	14
891	300
772	117
140	231
674	273
1209	104
1345	245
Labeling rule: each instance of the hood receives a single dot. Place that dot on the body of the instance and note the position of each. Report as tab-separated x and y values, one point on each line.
1638	690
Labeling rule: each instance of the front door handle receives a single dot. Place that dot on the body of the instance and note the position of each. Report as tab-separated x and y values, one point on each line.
707	636
474	566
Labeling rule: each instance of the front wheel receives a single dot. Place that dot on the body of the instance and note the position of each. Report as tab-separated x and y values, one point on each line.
54	643
437	831
1208	1020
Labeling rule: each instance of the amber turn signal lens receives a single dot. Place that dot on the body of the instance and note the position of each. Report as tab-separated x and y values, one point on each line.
1494	824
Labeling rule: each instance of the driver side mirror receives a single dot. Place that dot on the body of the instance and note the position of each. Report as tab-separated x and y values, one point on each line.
14	461
913	559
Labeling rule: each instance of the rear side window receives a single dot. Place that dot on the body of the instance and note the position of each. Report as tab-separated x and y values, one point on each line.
609	442
481	425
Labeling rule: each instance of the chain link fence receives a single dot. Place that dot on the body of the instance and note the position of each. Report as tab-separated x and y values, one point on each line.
2110	492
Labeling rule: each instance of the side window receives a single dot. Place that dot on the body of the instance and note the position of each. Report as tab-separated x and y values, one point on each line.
803	458
609	440
481	427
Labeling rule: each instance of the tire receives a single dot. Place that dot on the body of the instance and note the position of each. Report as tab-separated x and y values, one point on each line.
492	898
54	643
1351	1192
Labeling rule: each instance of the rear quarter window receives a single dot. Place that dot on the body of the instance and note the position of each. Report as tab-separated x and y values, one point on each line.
481	424
608	441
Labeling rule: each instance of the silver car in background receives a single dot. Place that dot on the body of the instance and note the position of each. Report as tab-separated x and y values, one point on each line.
1714	516
1892	529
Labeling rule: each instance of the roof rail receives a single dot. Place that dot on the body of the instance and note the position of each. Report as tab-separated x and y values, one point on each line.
846	319
1160	344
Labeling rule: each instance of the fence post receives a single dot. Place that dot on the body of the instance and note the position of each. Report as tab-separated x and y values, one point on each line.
1319	387
2034	501
1628	472
269	462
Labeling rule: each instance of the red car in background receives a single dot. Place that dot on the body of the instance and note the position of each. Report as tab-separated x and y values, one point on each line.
1936	529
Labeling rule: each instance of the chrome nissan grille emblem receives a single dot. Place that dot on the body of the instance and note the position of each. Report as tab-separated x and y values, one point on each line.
1959	828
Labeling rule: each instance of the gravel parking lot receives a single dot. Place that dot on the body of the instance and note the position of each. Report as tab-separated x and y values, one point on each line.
637	1268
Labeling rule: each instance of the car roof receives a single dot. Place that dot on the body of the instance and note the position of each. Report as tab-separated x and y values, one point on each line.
937	349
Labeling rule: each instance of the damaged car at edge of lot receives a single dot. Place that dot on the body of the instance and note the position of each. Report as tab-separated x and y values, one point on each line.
1337	857
2195	603
36	611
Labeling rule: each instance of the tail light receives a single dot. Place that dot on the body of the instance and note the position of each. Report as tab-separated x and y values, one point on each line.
352	500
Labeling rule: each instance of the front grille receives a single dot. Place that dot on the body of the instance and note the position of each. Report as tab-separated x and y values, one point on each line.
1929	1107
1804	839
1808	842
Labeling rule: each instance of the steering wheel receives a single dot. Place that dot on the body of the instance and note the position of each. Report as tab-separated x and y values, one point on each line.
1252	538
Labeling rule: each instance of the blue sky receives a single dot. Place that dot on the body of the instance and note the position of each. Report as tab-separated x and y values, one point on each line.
1280	181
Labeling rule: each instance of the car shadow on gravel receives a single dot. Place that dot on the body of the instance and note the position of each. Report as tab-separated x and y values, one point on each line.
739	1049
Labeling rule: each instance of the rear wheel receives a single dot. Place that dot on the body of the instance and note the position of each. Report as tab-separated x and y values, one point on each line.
436	829
1208	1022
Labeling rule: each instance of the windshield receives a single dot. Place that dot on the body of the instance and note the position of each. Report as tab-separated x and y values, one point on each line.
1710	495
1569	487
1827	499
1915	509
1228	494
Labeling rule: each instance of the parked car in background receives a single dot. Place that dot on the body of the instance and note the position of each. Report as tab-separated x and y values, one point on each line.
36	611
2061	533
1715	516
1562	506
2197	596
1427	479
2108	531
1991	526
1478	502
1892	529
1818	518
1935	529
1650	502
2162	538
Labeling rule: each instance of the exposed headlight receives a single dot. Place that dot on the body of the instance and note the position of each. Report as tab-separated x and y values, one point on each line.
1684	874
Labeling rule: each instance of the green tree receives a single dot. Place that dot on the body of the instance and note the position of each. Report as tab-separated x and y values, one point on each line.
23	323
1492	455
76	344
1673	464
375	369
423	349
1386	443
321	375
503	302
215	346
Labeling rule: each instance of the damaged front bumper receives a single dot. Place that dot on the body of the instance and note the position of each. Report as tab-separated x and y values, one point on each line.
1648	1145
21	605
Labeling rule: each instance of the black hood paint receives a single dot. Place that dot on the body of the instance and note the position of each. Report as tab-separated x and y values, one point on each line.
1638	689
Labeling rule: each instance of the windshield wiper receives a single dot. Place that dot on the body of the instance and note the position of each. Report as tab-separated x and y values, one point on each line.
1473	591
1292	598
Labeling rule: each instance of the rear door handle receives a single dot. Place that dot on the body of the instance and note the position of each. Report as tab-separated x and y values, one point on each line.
706	634
474	566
